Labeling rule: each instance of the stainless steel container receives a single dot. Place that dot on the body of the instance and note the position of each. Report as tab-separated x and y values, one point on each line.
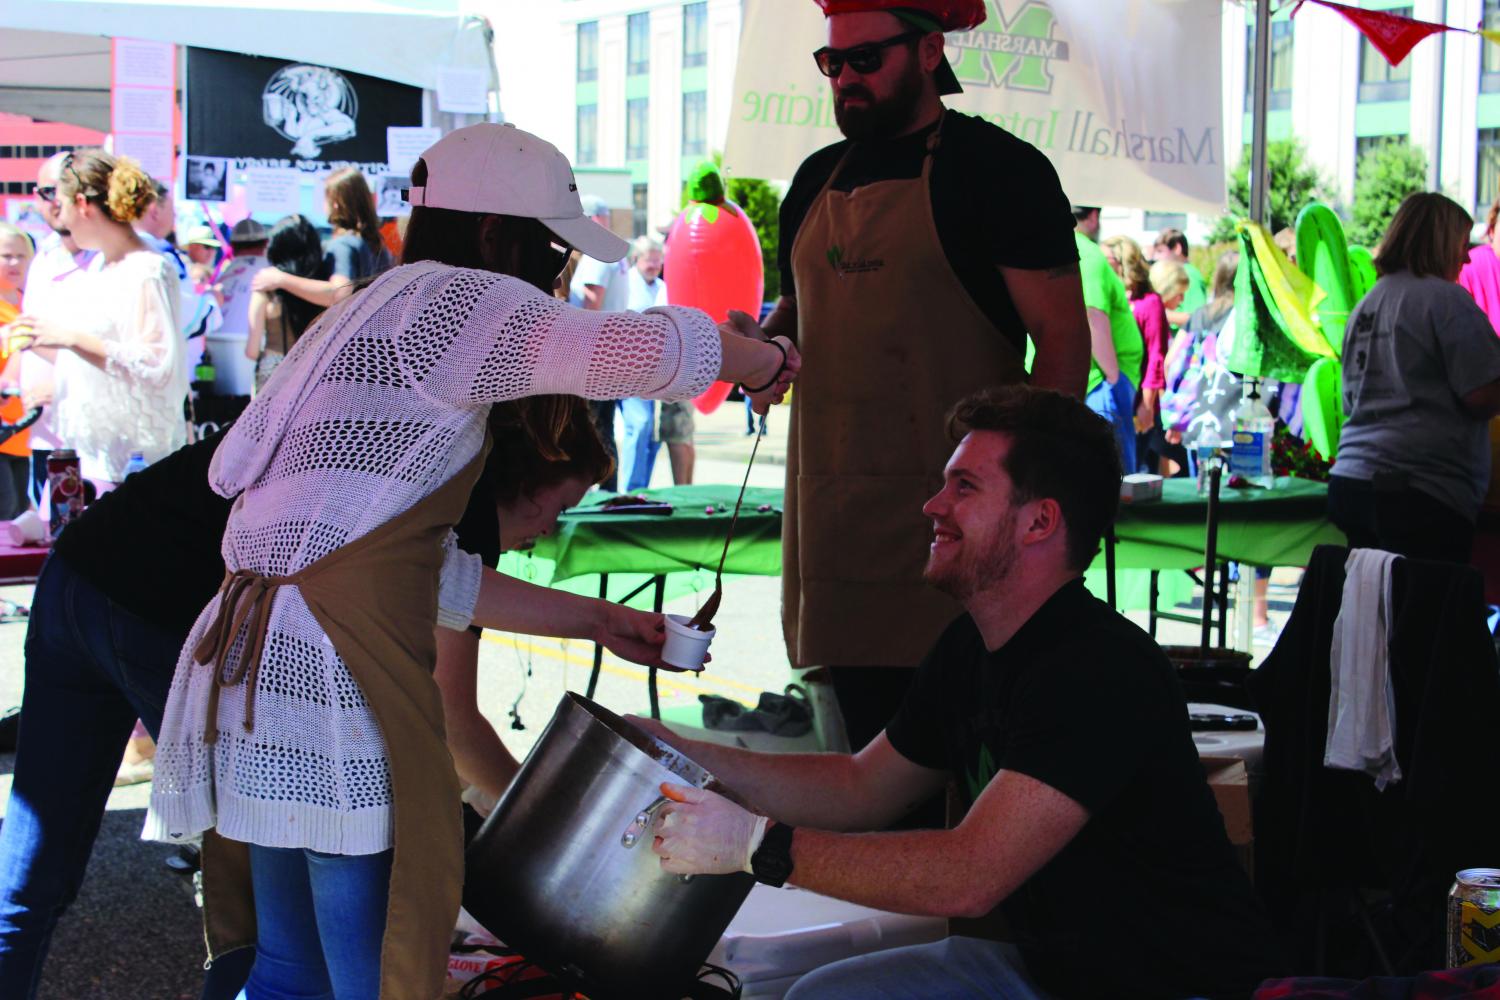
562	870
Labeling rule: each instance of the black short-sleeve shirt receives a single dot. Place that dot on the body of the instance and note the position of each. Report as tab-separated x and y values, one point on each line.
996	201
152	545
1148	900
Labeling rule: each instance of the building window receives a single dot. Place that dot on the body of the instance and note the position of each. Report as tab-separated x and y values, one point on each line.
1280	96
1366	143
637	124
637	44
588	134
694	35
588	52
695	123
1489	59
1378	79
1155	222
1488	186
638	201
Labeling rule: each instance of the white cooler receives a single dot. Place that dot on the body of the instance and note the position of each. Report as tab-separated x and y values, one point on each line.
780	935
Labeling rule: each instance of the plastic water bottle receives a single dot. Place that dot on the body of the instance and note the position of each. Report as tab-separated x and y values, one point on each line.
1250	457
136	464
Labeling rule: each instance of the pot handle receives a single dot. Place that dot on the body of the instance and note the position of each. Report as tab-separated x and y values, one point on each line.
641	825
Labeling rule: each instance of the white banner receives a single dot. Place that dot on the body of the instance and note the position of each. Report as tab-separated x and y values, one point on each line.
1122	95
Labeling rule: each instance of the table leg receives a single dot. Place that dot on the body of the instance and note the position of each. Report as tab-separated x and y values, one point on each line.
1211	554
660	599
1151	610
598	649
1109	566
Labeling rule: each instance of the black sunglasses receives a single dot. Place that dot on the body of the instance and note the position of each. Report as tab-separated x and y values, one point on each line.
863	59
48	193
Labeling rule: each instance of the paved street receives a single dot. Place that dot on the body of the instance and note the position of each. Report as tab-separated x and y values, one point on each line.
134	933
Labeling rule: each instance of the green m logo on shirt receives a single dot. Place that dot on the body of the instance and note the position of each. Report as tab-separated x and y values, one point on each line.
976	781
1014	52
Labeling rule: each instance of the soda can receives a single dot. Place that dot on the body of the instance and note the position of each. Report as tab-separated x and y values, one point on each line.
1474	918
65	487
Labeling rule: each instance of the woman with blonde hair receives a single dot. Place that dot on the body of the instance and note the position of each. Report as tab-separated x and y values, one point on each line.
121	362
16	252
355	251
1421	382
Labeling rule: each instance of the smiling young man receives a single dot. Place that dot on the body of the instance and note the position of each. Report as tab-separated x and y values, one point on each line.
916	256
1090	824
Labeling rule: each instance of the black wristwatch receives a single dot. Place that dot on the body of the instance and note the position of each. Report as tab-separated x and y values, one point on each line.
772	861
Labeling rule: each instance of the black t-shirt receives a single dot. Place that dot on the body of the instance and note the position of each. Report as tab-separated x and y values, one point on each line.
996	200
1148	900
152	545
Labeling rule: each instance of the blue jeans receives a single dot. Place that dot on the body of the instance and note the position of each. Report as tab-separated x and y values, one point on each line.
319	919
92	669
1116	403
638	444
953	967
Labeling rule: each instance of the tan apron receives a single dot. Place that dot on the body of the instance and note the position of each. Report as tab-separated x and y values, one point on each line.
376	599
890	340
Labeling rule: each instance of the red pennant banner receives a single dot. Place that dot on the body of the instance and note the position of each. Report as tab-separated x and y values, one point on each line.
1395	36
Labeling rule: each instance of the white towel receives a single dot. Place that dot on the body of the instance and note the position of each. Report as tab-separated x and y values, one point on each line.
1361	702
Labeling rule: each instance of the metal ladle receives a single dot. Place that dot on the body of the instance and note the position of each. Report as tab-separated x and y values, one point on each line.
705	615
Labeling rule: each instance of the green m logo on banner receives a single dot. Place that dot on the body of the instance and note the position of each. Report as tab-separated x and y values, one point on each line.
1014	52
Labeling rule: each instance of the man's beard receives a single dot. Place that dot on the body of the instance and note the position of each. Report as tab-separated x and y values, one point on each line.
977	569
883	119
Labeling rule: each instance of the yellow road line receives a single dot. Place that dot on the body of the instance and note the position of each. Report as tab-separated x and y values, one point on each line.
665	681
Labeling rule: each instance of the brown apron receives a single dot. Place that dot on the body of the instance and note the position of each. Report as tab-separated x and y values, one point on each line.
890	340
376	599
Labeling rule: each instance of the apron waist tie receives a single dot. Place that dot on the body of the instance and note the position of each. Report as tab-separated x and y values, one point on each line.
243	594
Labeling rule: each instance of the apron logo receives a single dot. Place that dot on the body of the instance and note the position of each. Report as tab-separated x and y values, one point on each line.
844	267
1014	52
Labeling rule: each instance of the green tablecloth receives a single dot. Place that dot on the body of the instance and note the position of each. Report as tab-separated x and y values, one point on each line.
684	546
1277	527
1257	527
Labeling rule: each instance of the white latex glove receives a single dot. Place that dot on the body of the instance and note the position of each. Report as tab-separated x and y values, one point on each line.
480	800
702	833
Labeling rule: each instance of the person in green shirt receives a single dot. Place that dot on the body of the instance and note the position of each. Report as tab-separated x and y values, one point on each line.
1118	350
1172	244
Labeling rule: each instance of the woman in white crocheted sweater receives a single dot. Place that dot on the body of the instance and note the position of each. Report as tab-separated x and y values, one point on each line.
377	408
121	364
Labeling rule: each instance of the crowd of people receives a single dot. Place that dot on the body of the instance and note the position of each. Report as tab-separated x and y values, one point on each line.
290	606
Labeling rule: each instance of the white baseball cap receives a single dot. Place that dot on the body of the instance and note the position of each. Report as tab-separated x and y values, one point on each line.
502	170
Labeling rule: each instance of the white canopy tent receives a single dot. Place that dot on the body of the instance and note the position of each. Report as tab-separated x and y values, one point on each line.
54	54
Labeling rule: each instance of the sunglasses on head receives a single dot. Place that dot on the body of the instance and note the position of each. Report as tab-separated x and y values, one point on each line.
864	59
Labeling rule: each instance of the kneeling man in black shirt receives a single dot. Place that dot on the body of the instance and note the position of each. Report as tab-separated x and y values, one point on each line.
1090	823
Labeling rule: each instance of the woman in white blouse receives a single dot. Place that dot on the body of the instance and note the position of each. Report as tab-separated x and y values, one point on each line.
302	716
121	366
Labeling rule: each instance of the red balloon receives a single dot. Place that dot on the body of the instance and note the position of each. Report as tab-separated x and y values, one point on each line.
713	263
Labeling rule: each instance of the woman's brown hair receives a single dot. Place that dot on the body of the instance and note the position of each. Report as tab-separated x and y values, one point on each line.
351	206
1428	237
115	183
539	441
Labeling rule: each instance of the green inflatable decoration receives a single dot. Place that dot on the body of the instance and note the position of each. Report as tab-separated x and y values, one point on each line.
1346	274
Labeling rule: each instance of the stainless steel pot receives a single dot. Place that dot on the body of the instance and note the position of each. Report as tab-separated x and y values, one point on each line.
562	870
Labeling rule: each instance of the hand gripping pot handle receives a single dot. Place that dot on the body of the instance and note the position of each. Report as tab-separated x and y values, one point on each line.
641	825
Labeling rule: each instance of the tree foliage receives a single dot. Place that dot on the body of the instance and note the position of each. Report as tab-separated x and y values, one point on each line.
1293	183
1383	178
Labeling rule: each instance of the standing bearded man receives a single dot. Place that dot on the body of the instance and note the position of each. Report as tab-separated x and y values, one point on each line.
920	253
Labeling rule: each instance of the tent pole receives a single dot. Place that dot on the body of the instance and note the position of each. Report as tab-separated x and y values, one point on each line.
1262	92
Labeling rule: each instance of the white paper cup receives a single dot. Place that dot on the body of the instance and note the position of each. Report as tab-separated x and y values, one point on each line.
685	647
27	529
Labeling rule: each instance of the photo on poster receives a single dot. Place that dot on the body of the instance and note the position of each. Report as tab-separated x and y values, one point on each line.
291	114
206	178
390	200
